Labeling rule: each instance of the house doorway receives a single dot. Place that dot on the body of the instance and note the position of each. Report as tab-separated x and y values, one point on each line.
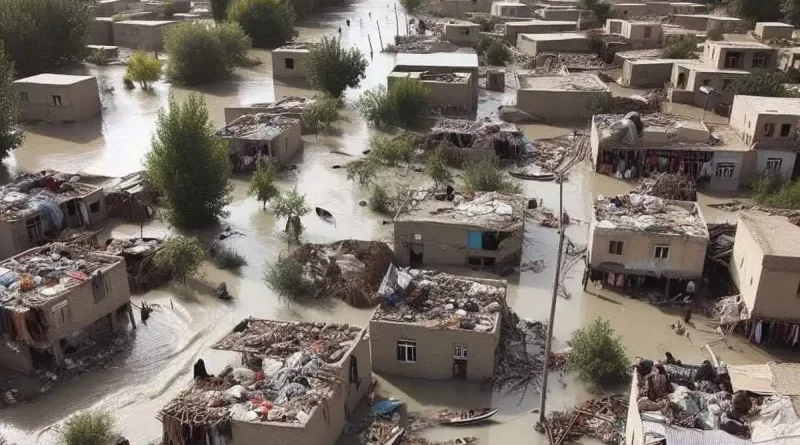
682	80
460	368
415	255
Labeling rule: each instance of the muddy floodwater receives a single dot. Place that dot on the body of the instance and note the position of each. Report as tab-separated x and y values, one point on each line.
189	319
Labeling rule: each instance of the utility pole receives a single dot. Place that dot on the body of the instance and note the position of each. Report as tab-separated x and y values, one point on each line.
396	21
380	37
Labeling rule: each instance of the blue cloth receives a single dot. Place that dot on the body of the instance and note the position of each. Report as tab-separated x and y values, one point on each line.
386	406
475	239
48	211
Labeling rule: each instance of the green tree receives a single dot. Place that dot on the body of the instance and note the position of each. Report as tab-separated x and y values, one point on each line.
333	69
234	41
411	5
600	10
756	10
189	164
379	199
498	53
270	23
376	107
89	428
322	113
40	35
181	256
363	170
486	176
262	184
219	10
401	105
791	12
392	150
10	134
436	166
143	68
598	355
292	206
680	47
287	278
766	84
196	54
771	190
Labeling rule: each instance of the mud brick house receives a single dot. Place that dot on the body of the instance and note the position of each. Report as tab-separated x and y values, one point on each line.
462	32
147	35
453	91
555	98
58	98
513	29
255	138
453	335
289	61
442	63
484	232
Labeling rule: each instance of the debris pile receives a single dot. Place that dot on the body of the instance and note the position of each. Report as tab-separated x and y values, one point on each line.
461	139
559	61
42	194
649	214
739	206
597	418
139	254
257	126
350	270
519	356
490	210
668	186
132	198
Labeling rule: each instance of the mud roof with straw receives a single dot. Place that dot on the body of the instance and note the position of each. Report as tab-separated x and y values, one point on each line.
258	126
485	210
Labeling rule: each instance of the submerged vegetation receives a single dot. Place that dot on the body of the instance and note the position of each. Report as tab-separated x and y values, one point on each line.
287	278
772	190
598	355
333	69
400	105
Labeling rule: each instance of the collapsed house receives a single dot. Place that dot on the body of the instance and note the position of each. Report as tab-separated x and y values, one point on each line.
289	61
448	91
131	198
467	141
36	207
262	137
713	404
668	186
291	106
484	230
54	297
436	326
556	98
640	241
298	383
442	63
139	255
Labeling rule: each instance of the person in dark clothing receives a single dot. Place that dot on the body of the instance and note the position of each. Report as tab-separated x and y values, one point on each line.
671	359
200	370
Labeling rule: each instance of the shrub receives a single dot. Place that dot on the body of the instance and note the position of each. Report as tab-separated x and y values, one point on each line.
270	23
376	108
292	206
40	35
715	34
189	164
680	47
118	18
333	69
596	42
486	176
601	104
498	53
89	428
401	105
322	113
287	278
196	54
143	68
169	9
219	10
181	256
392	151
436	166
486	21
235	42
598	355
262	184
379	199
600	10
228	258
363	170
10	134
771	190
767	84
755	10
100	56
411	5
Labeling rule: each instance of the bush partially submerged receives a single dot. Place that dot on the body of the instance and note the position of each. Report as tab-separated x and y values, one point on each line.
200	53
401	105
379	200
229	259
287	278
436	167
486	176
322	113
143	68
332	69
182	256
392	150
598	355
270	23
262	184
766	84
497	53
362	170
89	428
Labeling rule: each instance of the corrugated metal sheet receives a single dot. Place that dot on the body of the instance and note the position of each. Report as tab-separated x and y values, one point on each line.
687	436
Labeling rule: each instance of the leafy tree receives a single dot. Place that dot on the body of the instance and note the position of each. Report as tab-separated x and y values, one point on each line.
235	42
772	190
436	166
401	105
292	206
228	258
219	10
486	21
411	5
767	84
100	56
756	10
270	23
262	184
333	69
196	54
10	133
392	151
143	68
600	10
322	113
681	47
498	53
598	355
287	279
189	164
376	107
40	35
181	256
379	199
89	428
486	176
363	170
791	12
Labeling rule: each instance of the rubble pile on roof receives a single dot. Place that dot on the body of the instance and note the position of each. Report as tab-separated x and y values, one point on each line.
40	193
490	210
594	418
37	276
589	61
350	270
131	198
291	367
458	137
439	300
258	126
648	214
289	104
443	77
668	186
139	254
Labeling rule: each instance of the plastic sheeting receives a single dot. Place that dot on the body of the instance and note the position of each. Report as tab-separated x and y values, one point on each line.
48	211
385	407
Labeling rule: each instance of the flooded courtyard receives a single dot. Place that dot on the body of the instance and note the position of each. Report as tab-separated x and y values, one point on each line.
189	319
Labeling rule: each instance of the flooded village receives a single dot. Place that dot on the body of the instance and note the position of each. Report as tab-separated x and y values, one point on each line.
416	222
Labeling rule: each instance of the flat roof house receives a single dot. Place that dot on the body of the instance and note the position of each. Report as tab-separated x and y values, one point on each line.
462	32
452	91
37	206
560	98
564	42
668	144
748	56
770	126
484	232
510	9
107	8
438	63
773	30
639	35
101	31
146	35
256	138
765	265
296	382
688	76
704	22
61	294
58	98
647	73
289	61
631	10
512	29
789	58
563	14
642	241
453	333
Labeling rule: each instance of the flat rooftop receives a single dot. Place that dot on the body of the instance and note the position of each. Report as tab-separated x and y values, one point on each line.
700	67
649	214
437	60
54	269
775	24
294	47
258	126
54	79
515	4
30	192
775	234
554	36
487	210
542	23
433	77
708	16
440	301
646	61
570	82
150	23
282	351
737	44
770	105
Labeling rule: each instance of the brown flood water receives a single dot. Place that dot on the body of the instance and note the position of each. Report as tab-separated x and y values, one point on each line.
138	383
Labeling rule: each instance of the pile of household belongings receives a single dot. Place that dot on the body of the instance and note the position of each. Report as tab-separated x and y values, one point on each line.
600	418
668	186
291	106
139	254
350	270
460	137
39	194
131	198
626	131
